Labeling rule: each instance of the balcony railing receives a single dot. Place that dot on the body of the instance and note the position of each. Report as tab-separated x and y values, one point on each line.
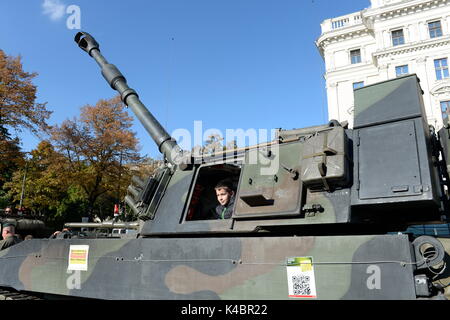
341	22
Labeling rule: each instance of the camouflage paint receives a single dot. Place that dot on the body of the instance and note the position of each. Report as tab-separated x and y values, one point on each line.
215	268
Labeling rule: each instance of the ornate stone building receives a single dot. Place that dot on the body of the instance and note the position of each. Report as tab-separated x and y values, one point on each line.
390	38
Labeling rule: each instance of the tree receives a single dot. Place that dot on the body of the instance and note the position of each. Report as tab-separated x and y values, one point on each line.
10	160
96	147
47	188
18	109
213	144
44	184
10	156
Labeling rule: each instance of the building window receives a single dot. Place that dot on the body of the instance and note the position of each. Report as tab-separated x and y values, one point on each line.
355	56
397	37
401	70
435	29
357	85
441	68
445	108
339	23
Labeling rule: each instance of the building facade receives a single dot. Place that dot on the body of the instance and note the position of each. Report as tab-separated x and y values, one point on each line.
391	38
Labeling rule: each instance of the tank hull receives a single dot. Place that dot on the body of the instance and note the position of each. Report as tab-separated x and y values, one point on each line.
247	268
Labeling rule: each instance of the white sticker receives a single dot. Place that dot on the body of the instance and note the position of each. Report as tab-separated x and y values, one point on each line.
78	257
300	276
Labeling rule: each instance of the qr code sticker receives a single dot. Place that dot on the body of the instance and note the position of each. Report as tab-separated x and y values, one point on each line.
300	277
301	285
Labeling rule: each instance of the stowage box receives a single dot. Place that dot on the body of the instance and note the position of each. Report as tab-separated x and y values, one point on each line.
391	155
324	162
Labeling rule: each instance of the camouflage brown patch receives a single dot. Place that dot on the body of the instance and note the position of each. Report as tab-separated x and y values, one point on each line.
184	279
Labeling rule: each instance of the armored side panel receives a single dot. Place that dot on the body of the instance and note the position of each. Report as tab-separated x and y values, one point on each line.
388	101
273	189
392	151
342	267
171	203
444	137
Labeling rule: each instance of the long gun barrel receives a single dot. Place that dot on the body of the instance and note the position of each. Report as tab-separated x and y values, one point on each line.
166	145
105	225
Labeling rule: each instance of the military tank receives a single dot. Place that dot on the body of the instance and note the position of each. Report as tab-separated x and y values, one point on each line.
320	213
26	225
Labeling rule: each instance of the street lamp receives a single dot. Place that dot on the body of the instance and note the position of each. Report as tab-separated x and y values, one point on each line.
22	194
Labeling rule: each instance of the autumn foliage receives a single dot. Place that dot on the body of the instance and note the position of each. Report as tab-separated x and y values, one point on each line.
84	168
96	146
81	167
18	109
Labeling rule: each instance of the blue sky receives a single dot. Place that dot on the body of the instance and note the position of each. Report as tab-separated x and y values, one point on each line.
228	63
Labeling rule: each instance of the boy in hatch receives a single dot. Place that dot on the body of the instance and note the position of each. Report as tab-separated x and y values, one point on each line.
225	197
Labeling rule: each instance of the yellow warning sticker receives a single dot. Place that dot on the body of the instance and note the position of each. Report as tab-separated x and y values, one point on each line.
78	257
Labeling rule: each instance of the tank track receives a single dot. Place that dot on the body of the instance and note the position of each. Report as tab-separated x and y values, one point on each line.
11	294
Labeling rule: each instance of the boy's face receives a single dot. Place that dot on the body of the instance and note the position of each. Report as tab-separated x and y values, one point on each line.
224	195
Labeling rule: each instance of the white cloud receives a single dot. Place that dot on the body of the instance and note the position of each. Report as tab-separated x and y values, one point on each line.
54	9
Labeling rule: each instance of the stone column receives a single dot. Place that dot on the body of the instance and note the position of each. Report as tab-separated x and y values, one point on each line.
383	70
333	100
425	77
